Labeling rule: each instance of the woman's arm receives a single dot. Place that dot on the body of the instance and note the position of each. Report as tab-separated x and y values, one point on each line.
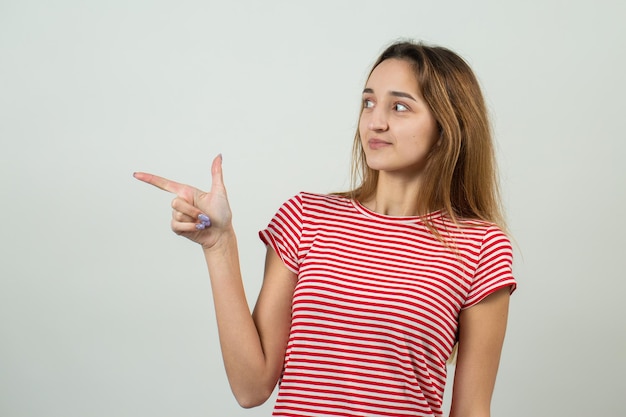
253	345
481	335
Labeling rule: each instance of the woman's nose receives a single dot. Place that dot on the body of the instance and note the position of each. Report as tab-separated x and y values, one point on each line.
378	120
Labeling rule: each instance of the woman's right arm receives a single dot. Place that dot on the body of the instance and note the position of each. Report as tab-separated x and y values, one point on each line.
253	345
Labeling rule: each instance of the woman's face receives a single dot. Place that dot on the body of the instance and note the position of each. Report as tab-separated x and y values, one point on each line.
397	127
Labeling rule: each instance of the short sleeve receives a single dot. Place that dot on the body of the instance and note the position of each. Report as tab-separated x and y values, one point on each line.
495	267
284	231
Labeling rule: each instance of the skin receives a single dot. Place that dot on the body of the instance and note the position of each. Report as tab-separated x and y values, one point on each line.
398	131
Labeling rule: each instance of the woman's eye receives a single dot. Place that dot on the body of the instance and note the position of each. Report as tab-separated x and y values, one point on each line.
400	107
368	104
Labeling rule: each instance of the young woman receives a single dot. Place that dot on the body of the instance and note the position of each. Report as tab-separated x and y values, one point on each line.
366	293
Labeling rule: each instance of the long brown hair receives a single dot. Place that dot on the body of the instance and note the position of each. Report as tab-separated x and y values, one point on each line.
460	176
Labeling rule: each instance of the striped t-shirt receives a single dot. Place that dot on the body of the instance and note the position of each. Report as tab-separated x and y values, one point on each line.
376	306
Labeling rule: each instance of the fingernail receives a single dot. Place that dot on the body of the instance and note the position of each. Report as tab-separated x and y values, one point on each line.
204	218
200	226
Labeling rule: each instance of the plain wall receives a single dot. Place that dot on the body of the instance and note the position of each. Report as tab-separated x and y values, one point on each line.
105	312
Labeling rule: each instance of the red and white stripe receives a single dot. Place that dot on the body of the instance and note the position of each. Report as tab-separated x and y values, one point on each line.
375	310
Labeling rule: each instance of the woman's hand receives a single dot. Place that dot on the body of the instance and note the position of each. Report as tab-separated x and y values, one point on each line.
191	205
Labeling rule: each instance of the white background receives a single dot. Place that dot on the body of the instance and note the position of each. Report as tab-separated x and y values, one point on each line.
105	312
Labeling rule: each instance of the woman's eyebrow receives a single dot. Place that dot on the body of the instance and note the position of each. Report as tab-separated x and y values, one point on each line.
402	94
393	93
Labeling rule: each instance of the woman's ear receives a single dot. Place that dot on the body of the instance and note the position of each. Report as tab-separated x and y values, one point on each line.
440	139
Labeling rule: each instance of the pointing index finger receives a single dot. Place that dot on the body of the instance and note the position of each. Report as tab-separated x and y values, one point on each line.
160	182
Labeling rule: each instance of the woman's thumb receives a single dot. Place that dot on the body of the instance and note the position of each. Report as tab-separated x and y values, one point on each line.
216	173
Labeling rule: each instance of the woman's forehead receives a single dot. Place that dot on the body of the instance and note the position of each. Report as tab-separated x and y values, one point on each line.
393	75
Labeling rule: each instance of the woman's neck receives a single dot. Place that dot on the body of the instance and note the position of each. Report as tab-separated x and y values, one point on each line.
394	196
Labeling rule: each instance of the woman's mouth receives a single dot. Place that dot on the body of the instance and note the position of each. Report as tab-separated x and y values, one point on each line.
377	144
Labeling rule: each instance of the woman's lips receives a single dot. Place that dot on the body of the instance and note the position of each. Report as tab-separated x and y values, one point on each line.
377	143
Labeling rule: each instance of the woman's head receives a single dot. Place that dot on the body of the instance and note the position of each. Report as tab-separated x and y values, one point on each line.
397	128
459	174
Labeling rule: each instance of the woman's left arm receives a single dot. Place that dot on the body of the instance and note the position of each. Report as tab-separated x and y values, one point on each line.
481	335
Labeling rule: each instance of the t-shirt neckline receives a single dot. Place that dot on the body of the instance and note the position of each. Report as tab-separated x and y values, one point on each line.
395	219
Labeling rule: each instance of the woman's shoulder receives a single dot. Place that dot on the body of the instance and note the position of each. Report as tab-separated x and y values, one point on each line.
474	229
324	199
464	223
304	203
319	205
